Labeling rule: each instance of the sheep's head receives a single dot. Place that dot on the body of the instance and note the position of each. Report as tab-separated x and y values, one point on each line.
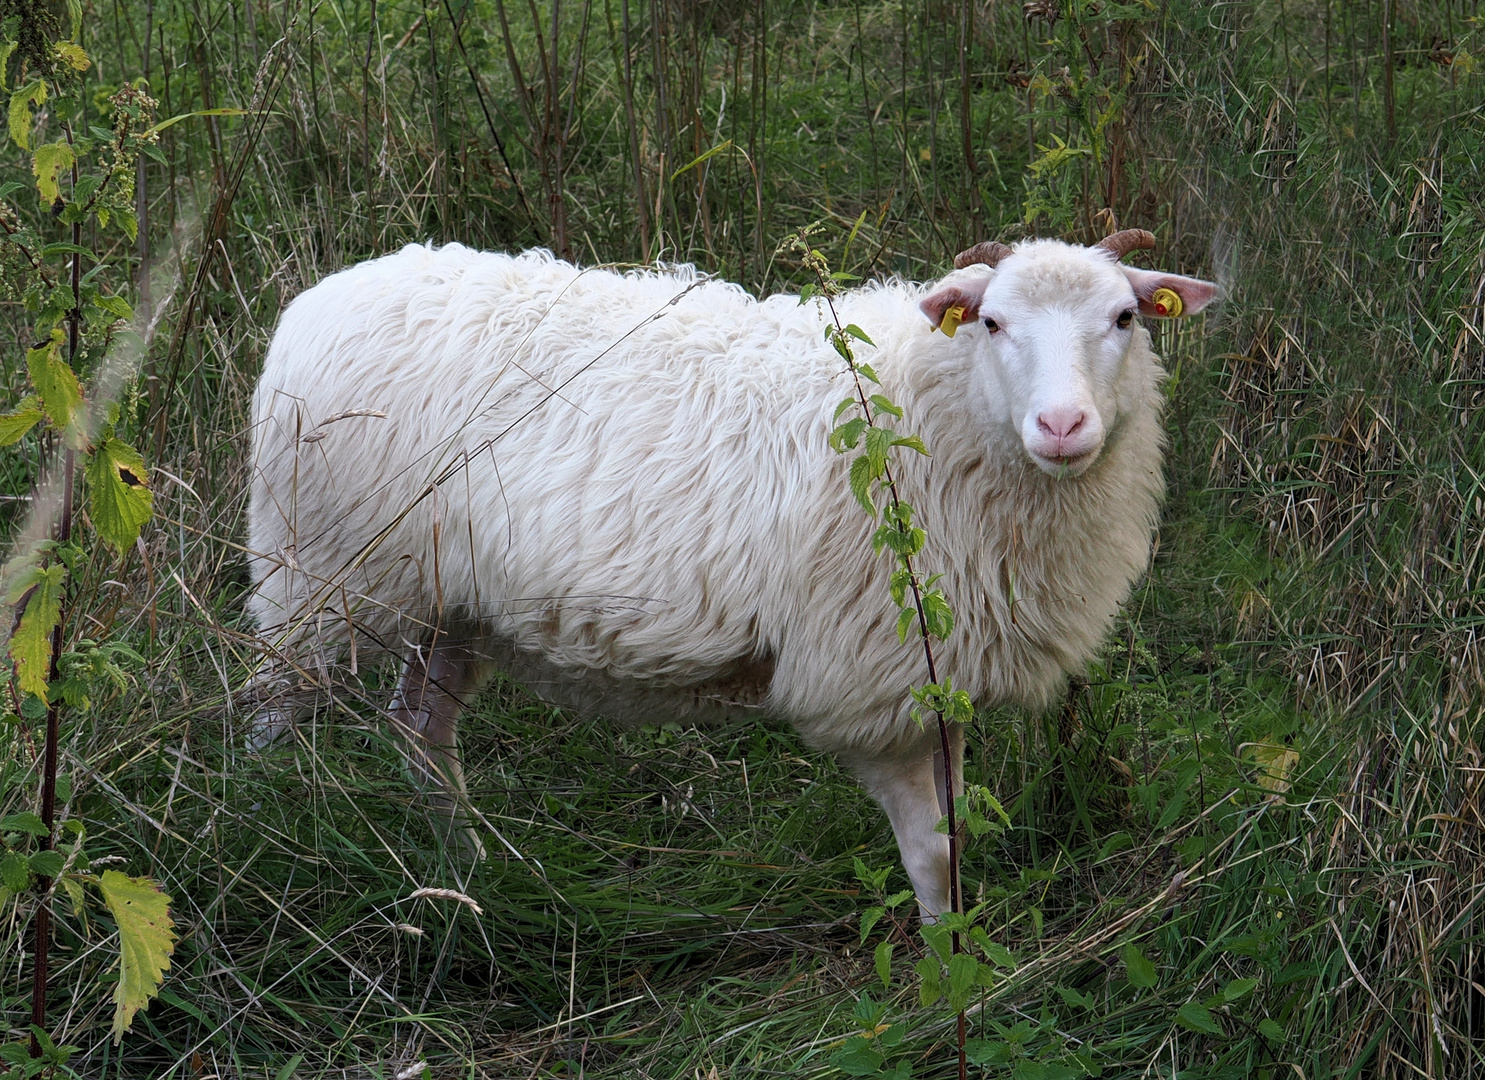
1052	327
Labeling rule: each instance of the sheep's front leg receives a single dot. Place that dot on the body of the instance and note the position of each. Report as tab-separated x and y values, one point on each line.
437	682
910	786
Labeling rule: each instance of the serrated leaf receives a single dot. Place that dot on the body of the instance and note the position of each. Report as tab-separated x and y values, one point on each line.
882	957
1271	1030
898	897
842	407
858	1058
869	918
861	478
1275	761
15	874
886	405
868	372
48	864
24	822
20	111
847	435
31	644
929	984
46	162
121	499
72	54
1138	966
905	619
938	939
859	334
912	442
55	381
125	218
146	940
15	424
1197	1018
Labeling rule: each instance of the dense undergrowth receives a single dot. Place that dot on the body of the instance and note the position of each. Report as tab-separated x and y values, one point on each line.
1264	801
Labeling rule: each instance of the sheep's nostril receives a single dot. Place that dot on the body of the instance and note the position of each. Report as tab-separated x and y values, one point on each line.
1061	423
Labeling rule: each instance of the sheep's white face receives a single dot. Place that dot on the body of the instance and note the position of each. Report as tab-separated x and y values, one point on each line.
1053	326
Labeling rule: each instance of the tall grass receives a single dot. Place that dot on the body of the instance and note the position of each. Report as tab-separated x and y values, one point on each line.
669	903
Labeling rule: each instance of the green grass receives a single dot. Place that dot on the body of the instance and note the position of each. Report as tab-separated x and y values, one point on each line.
684	904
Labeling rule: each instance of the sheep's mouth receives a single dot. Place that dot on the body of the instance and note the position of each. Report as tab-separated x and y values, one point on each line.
1065	465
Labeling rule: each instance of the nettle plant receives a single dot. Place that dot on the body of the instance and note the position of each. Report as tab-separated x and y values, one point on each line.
81	173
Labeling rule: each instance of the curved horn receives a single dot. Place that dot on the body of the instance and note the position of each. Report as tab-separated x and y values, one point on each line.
988	252
1124	241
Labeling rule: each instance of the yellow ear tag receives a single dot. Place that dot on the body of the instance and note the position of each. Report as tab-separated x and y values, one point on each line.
1167	303
951	320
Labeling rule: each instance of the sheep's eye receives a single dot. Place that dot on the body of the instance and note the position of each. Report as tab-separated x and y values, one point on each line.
992	325
1124	319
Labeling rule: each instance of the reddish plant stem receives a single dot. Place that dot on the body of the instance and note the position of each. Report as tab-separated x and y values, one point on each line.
927	640
43	919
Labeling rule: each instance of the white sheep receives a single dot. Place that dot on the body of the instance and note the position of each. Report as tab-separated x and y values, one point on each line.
617	489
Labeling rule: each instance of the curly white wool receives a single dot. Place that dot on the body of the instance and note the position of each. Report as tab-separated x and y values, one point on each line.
618	487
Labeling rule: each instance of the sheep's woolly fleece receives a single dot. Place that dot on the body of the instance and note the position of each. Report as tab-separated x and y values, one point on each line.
627	476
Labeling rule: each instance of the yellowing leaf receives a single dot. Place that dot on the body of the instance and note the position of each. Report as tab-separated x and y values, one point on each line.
1275	762
73	55
46	162
31	644
61	396
146	940
15	424
20	111
121	498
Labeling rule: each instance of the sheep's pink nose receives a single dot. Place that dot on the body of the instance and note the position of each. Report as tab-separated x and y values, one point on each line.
1061	423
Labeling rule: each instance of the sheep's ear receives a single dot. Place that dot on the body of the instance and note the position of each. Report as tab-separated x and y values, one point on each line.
1169	296
960	297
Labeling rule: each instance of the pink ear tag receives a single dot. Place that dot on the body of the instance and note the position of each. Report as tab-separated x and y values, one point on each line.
951	320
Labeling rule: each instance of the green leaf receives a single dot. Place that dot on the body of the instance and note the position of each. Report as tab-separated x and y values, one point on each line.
1238	988
866	370
713	152
898	897
15	424
47	864
1141	971
881	401
146	940
72	54
55	382
51	251
861	479
938	939
929	985
24	822
869	919
121	497
858	333
74	891
905	619
883	958
963	970
858	1058
46	162
20	111
1197	1018
31	644
15	874
1271	1030
287	1072
163	124
1073	997
842	407
847	435
912	442
126	219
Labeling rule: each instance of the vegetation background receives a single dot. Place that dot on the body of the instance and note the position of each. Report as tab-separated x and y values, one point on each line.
1275	773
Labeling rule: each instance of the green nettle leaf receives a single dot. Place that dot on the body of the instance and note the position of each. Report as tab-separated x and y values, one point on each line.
20	111
860	335
886	405
15	424
116	306
25	822
1141	970
1271	1030
869	919
930	987
31	644
1198	1018
46	162
905	619
146	940
1238	988
861	478
72	54
15	874
55	382
121	497
47	863
912	442
883	959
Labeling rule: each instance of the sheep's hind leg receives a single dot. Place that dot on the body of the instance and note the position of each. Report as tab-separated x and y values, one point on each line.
437	682
910	786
